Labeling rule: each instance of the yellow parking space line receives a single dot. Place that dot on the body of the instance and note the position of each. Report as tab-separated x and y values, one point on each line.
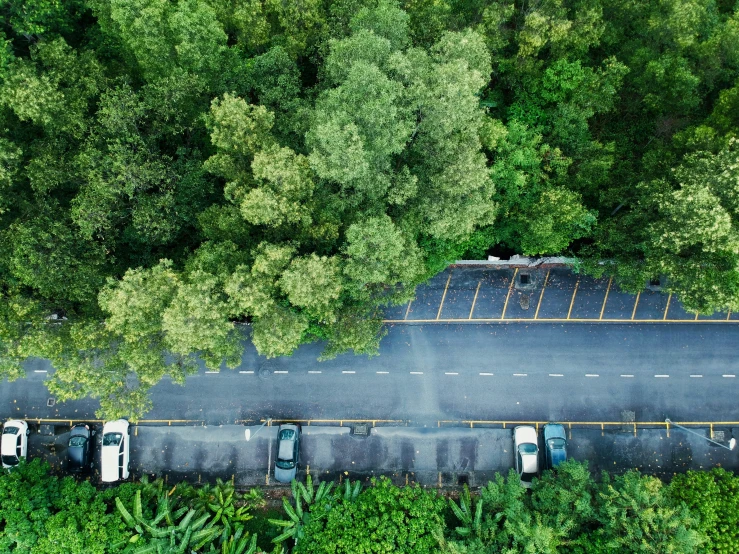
696	316
728	314
443	296
636	303
605	299
572	301
546	280
559	320
667	307
408	309
510	288
474	300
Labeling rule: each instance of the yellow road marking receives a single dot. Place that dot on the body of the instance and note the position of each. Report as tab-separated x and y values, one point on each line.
474	300
605	299
443	296
546	279
510	288
558	320
636	303
728	314
667	307
572	302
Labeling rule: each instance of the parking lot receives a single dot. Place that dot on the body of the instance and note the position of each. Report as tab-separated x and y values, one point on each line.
448	454
481	294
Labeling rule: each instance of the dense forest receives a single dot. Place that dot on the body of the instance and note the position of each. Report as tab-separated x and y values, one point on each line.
172	169
567	512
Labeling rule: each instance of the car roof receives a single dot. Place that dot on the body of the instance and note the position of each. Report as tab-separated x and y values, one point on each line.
530	463
109	463
9	443
285	451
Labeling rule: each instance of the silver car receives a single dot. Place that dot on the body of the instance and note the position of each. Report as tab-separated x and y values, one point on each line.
526	445
288	452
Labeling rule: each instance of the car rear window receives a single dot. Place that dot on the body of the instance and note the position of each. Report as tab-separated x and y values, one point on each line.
112	439
10	460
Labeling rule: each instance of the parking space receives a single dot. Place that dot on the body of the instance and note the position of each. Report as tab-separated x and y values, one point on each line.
559	295
469	293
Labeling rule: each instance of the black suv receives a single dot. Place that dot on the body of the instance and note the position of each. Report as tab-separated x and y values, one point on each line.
81	448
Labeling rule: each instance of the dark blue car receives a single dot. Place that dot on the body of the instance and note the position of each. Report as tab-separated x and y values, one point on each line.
555	444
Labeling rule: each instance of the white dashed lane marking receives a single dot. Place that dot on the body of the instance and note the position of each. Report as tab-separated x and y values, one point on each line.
450	373
382	372
416	372
592	375
40	370
556	375
520	374
246	372
211	372
314	372
281	371
662	376
350	372
727	375
696	375
626	375
485	373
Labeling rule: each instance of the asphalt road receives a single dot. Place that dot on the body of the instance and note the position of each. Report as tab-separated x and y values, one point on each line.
425	373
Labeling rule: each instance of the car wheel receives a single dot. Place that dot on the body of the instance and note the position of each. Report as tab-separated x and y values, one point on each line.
93	433
28	432
92	465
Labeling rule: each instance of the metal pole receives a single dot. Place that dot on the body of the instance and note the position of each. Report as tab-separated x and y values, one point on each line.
732	442
247	432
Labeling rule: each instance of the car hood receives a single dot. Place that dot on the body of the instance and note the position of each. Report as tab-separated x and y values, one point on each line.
109	463
285	475
8	446
558	455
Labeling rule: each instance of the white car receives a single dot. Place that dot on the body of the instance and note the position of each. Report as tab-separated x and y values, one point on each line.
526	445
14	442
115	452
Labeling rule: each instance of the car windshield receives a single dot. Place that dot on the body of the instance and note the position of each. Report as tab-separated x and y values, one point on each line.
283	464
10	430
556	444
10	460
77	441
112	439
287	434
527	448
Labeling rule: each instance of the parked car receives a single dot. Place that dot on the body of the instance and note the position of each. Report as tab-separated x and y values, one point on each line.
81	448
115	452
14	442
288	452
555	445
526	446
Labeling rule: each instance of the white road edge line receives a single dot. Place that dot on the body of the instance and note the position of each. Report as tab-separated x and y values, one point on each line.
314	372
626	375
382	372
281	371
662	376
556	375
416	372
486	373
348	371
696	375
450	373
727	375
520	374
592	375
